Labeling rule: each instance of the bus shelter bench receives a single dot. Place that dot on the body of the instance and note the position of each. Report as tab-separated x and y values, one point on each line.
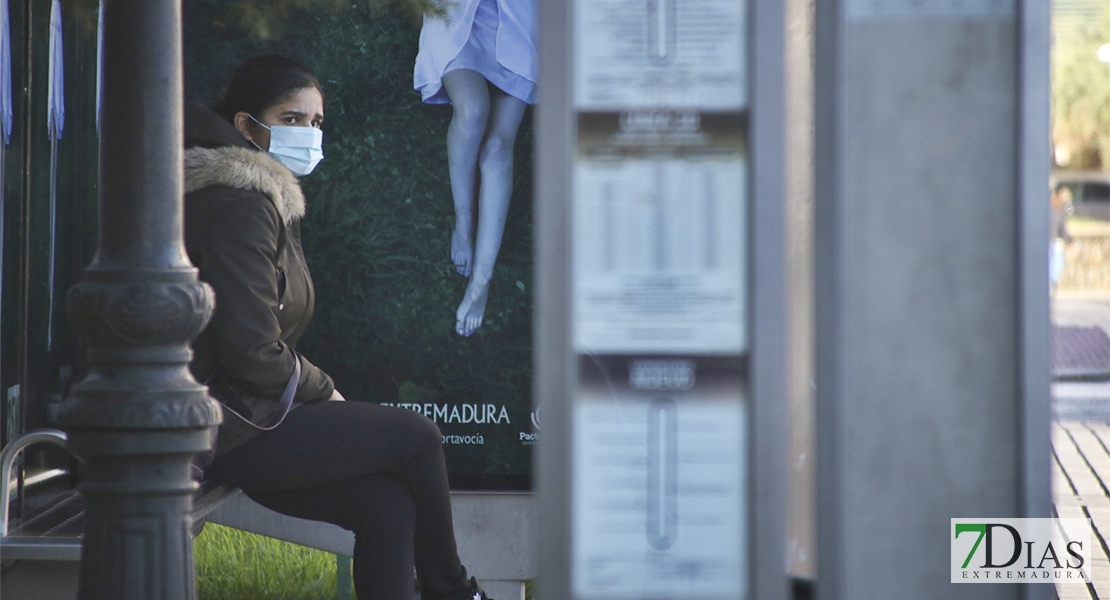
54	530
496	532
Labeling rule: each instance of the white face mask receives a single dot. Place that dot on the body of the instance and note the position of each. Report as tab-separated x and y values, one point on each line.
300	149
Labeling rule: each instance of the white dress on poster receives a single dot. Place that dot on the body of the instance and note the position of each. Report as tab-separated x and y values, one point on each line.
5	73
442	38
99	61
5	116
56	120
56	106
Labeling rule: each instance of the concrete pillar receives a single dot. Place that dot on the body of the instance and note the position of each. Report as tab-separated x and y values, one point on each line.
931	286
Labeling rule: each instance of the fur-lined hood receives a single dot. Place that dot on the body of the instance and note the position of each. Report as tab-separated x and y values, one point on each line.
245	169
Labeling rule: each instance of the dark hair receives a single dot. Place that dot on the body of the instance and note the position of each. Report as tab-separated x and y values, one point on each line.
262	82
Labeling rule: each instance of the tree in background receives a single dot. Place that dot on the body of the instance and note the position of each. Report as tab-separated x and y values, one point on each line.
266	19
1081	88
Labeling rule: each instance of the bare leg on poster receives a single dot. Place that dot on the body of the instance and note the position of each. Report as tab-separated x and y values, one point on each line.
53	240
480	143
3	164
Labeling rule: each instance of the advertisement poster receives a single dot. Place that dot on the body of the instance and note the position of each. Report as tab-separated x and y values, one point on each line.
659	484
659	244
659	301
659	53
378	229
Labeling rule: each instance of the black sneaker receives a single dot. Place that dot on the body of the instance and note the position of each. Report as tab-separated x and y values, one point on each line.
476	591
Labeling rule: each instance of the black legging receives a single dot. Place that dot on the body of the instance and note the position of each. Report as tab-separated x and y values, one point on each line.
375	470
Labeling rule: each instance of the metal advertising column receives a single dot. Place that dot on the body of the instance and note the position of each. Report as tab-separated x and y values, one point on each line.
646	330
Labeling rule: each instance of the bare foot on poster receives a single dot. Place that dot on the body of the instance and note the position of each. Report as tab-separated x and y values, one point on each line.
468	318
462	250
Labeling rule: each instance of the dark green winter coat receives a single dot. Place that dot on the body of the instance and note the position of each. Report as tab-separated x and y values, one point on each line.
242	230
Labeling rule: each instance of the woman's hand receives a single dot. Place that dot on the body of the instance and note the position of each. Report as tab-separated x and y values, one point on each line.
336	397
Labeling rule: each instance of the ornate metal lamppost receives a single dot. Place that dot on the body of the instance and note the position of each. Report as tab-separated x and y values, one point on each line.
138	417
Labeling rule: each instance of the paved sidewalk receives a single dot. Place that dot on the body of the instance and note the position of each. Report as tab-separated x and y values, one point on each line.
1080	442
1080	475
1081	400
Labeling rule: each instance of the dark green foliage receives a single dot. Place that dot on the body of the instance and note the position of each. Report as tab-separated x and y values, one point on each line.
378	227
268	19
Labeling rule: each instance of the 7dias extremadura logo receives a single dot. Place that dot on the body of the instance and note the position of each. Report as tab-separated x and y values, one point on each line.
1021	550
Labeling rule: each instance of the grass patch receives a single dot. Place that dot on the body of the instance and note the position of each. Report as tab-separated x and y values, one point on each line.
236	565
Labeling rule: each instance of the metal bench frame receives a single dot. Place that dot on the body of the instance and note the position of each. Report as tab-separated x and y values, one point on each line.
50	547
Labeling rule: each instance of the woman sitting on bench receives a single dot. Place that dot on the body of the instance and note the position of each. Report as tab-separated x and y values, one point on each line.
288	441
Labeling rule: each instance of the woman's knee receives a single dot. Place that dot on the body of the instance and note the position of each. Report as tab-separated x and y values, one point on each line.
418	429
497	149
470	114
